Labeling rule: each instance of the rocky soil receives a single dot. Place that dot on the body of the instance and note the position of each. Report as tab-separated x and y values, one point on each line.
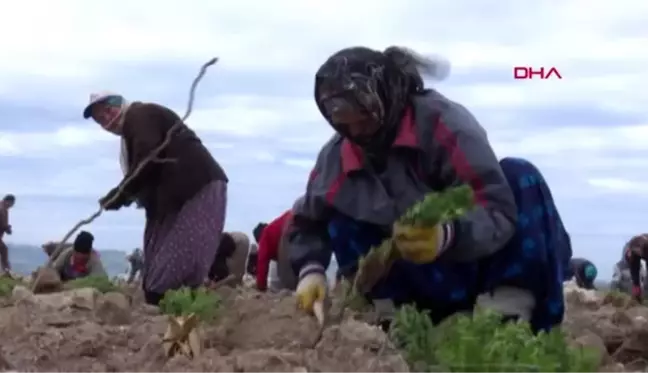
610	322
83	330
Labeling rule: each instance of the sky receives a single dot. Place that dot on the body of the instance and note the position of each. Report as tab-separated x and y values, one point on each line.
254	110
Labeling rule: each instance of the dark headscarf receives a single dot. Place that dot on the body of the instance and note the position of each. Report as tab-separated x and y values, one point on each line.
219	269
83	242
379	84
258	231
639	245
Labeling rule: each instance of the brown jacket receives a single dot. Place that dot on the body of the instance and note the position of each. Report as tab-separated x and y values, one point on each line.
163	187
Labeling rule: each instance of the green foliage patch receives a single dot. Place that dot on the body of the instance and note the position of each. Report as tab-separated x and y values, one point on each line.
7	285
185	301
101	283
483	343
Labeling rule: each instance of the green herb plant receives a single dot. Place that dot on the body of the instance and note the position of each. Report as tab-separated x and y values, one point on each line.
203	303
483	343
469	343
101	283
7	285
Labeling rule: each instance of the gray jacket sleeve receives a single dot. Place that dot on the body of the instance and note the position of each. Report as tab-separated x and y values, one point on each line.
59	262
465	156
307	235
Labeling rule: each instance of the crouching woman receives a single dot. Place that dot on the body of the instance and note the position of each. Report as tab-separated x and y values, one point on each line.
395	142
79	260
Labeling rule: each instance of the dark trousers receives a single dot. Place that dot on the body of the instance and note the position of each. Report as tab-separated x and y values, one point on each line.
4	256
153	298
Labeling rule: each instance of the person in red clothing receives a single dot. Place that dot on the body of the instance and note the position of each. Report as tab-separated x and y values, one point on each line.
269	239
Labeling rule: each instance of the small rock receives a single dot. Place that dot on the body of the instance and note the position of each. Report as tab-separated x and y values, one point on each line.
151	310
60	320
4	364
151	354
577	296
21	294
352	330
113	308
593	341
621	318
84	298
48	280
98	367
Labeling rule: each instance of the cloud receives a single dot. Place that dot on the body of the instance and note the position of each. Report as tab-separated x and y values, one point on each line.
254	110
615	185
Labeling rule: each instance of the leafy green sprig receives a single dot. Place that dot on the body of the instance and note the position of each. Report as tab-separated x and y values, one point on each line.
185	301
483	343
101	283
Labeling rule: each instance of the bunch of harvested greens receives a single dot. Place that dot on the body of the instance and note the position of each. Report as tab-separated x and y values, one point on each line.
434	209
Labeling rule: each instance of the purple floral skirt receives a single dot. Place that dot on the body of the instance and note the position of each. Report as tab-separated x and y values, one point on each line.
179	248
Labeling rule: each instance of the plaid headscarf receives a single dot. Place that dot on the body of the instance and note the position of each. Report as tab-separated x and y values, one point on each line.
376	83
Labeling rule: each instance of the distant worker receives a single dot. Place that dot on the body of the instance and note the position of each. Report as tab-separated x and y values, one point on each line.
621	279
271	248
251	267
80	260
584	272
635	251
136	261
5	205
228	266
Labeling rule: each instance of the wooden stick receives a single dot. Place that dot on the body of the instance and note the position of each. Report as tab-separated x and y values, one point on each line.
152	157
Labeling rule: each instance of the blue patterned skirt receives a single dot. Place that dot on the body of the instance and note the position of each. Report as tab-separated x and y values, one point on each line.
534	259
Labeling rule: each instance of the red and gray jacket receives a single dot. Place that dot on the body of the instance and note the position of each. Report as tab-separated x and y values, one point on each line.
439	145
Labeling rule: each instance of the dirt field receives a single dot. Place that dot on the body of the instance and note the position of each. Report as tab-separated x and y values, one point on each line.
85	331
82	330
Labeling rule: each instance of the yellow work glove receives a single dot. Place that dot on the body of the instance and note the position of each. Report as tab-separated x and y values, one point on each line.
419	244
311	289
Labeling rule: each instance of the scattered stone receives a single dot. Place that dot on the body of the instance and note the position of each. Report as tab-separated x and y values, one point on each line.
84	298
593	341
113	308
4	364
46	280
20	294
151	310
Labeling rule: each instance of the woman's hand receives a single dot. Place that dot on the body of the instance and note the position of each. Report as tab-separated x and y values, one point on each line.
637	293
114	200
418	244
311	289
